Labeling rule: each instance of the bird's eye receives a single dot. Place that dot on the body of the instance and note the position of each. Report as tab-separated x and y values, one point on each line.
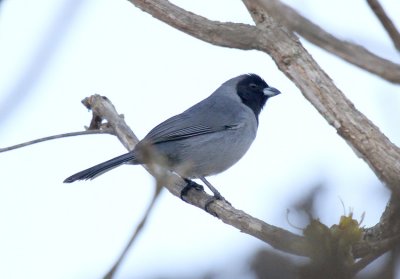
253	85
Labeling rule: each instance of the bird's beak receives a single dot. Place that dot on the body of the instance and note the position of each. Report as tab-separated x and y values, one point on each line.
271	91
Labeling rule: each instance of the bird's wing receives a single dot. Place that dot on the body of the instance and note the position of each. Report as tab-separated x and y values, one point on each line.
183	126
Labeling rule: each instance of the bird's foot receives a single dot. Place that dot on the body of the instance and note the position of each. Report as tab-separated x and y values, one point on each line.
217	196
211	200
189	185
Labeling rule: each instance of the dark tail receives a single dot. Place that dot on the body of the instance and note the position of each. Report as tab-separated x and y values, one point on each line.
101	168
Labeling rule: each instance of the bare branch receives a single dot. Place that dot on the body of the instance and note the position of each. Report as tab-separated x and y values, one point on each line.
106	110
276	237
350	52
360	133
72	134
386	22
246	37
233	35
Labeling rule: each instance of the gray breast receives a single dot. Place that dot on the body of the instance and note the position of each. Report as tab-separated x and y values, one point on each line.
210	154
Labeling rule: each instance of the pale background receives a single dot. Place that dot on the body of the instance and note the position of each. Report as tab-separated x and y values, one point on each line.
55	53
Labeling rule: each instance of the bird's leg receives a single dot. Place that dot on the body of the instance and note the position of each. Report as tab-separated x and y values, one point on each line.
189	185
217	195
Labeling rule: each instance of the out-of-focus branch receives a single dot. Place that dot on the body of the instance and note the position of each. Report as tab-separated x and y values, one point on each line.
375	251
110	274
386	22
350	52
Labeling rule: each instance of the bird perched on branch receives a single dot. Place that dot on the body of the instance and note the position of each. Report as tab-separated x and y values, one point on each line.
206	139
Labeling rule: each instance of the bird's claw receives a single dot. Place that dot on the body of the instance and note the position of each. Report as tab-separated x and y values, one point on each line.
213	199
217	196
189	185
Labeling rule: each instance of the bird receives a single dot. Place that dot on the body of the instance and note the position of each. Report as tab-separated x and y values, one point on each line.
204	140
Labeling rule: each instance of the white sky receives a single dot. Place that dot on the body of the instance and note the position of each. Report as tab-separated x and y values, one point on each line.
150	72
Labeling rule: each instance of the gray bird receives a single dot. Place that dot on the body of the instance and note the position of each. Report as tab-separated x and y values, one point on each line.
206	139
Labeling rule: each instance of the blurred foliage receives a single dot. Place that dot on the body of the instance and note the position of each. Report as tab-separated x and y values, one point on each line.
331	250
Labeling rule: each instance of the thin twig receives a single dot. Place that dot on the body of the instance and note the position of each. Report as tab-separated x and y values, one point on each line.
65	135
387	23
135	234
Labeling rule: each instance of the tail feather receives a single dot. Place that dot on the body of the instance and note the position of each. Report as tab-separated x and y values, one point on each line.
101	168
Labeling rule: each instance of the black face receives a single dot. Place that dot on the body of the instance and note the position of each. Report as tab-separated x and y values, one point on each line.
250	90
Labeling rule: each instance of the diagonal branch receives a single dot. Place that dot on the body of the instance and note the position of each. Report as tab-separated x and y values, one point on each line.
358	131
386	22
232	35
350	52
278	238
243	36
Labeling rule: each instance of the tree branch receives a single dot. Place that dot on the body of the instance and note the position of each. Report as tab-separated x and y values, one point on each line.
102	108
278	238
386	22
350	52
72	134
360	133
232	35
246	37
